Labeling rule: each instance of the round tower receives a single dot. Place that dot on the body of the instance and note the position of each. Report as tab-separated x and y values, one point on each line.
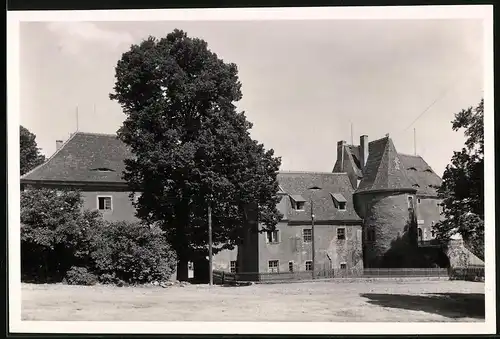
385	199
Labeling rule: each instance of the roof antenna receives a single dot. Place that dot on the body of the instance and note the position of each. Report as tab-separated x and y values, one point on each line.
352	136
415	141
76	118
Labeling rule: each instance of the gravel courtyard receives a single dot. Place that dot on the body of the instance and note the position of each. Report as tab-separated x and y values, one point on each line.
362	300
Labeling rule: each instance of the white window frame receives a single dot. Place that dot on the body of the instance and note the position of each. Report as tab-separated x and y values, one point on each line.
304	235
104	196
411	202
345	264
235	266
291	265
270	269
308	261
277	240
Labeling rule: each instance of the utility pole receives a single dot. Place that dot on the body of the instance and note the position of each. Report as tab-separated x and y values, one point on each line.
210	270
312	240
415	141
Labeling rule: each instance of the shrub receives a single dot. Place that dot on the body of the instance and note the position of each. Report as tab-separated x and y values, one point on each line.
132	253
80	276
55	233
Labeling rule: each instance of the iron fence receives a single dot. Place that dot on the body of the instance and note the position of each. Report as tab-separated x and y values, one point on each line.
222	277
470	273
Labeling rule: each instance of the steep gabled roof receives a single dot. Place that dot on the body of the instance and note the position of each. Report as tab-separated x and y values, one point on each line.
384	170
351	157
420	174
84	157
298	183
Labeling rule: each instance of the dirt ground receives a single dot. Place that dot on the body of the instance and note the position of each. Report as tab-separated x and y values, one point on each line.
383	300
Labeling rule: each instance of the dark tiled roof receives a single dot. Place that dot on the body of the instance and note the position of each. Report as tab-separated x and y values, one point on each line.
339	197
351	158
80	156
421	174
298	183
384	169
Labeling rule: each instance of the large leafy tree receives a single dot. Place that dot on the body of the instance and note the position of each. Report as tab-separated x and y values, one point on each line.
30	155
462	190
192	148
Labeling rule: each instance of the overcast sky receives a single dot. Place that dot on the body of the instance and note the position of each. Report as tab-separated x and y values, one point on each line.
303	82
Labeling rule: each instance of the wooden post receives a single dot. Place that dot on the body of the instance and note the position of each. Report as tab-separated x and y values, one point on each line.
210	270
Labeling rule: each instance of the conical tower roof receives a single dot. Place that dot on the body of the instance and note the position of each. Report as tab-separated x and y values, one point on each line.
384	170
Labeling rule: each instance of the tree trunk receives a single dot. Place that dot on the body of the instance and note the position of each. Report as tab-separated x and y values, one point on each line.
182	270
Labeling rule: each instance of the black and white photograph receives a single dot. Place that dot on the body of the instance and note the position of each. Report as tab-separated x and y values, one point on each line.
286	170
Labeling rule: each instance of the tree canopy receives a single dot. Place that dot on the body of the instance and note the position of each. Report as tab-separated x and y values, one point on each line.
192	148
462	190
30	155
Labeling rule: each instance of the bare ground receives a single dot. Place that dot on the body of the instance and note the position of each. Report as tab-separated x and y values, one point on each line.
382	300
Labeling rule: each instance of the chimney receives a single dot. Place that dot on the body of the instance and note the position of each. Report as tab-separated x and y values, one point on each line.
363	151
340	154
58	144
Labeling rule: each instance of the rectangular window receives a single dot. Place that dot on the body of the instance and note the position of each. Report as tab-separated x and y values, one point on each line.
299	205
104	203
307	235
370	234
341	233
136	197
309	265
290	266
342	206
410	202
234	266
273	266
343	266
418	200
297	202
272	237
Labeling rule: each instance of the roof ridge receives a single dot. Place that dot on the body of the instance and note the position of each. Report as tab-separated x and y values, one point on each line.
379	139
51	157
95	133
308	172
378	172
411	155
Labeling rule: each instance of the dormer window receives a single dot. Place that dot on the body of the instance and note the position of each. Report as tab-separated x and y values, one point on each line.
412	169
339	201
102	169
428	170
297	202
415	185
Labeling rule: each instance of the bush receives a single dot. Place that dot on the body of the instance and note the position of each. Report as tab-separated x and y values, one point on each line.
80	276
61	240
55	233
132	253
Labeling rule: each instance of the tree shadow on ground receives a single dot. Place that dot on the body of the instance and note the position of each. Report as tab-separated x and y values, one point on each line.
451	305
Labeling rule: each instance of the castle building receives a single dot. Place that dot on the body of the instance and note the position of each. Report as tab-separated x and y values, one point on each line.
374	200
396	196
